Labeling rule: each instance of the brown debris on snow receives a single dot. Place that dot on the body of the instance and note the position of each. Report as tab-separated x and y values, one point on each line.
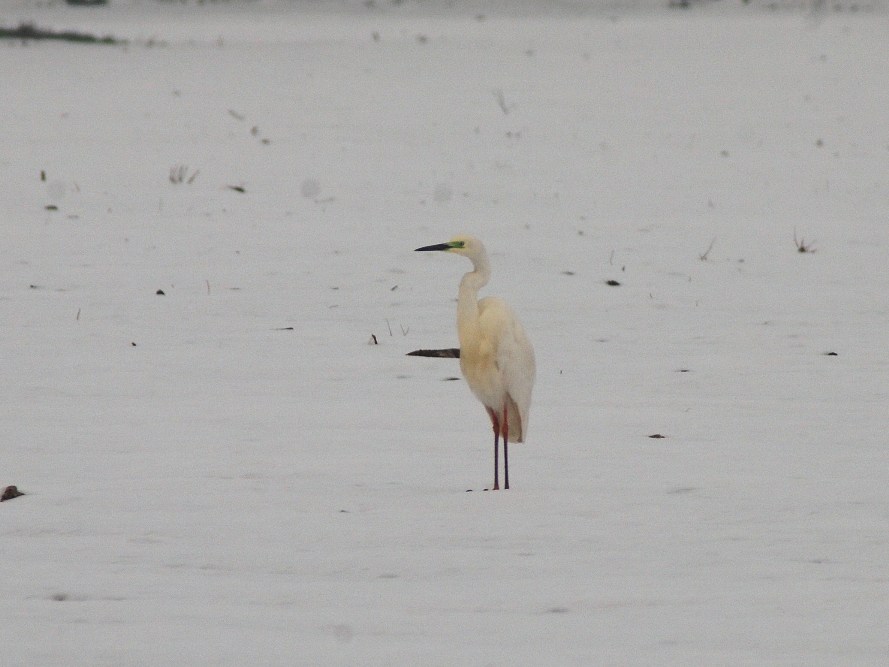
10	492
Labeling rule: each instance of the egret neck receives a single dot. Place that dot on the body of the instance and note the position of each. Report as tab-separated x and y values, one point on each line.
467	299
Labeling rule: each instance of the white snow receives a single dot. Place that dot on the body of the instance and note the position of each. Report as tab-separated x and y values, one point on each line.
231	474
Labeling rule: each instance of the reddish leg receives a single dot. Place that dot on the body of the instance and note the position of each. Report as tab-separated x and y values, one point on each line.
496	426
505	449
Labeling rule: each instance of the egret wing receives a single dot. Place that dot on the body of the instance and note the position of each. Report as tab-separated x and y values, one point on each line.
514	358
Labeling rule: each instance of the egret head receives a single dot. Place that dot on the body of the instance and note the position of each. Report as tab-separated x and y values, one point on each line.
467	246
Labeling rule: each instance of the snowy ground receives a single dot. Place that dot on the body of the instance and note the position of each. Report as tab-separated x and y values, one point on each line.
230	474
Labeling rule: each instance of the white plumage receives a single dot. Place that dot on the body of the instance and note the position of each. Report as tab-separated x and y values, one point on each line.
496	357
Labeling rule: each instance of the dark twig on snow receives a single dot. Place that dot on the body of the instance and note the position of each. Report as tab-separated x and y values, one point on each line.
501	102
180	174
28	31
704	255
450	353
801	245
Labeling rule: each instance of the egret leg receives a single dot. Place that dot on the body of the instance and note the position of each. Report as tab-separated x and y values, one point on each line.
496	470
505	450
496	425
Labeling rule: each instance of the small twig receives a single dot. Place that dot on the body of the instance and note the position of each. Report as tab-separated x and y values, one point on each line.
404	331
801	245
389	327
703	256
27	31
179	174
449	353
501	102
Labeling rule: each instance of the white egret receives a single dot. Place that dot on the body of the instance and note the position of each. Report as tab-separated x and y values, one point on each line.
496	356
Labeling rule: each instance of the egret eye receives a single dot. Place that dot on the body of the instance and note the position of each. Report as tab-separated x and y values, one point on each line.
457	244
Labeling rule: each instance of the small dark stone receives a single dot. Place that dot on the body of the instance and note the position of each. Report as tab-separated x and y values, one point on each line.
657	436
160	292
612	283
830	354
51	207
10	492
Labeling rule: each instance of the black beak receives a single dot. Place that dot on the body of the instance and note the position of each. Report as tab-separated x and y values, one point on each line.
437	246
